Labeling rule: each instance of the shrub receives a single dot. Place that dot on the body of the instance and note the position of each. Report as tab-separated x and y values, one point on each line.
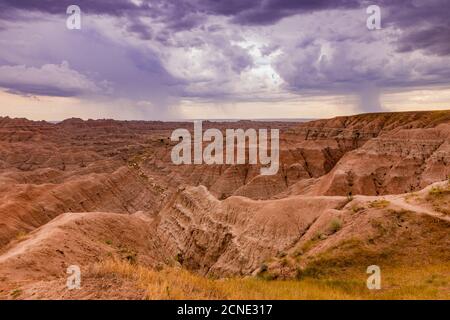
438	191
179	258
379	204
335	225
308	272
21	235
284	262
263	268
16	293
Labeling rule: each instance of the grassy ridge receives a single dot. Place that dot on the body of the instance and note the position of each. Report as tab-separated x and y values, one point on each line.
430	282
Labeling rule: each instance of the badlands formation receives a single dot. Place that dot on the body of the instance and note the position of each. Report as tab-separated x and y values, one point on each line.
350	192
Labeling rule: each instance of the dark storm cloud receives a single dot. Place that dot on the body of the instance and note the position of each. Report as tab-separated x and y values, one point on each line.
185	14
425	24
40	90
137	27
138	73
434	40
111	69
271	11
111	7
50	80
176	15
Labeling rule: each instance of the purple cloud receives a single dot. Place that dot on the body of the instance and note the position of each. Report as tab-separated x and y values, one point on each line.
408	15
162	51
50	79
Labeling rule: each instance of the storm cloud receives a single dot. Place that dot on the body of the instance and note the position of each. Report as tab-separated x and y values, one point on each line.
162	52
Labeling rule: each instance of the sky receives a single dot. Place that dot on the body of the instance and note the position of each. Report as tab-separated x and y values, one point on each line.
227	59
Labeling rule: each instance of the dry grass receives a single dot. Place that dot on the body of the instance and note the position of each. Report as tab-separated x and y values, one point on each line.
430	282
335	225
439	197
379	204
437	192
22	235
357	209
169	283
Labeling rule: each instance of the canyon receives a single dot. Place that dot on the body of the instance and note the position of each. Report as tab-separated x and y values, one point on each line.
350	192
213	153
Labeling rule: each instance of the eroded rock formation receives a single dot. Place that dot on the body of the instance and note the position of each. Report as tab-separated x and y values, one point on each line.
348	189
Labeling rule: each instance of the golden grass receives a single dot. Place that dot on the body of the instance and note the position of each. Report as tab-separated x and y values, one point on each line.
439	191
430	282
335	225
379	204
22	235
439	197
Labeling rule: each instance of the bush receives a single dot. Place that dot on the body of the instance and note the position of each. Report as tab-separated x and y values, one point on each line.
357	209
263	268
308	272
438	191
179	258
379	204
335	225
